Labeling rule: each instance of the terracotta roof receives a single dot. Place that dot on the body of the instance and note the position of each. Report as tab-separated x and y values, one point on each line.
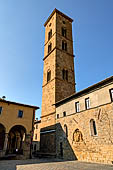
20	104
87	90
57	11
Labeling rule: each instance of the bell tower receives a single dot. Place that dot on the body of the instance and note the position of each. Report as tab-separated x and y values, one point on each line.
58	71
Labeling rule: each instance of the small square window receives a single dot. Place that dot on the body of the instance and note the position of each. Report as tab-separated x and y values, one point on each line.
0	110
57	116
20	113
87	103
111	94
77	107
64	114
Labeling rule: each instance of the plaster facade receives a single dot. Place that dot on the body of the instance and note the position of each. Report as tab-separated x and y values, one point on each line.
16	128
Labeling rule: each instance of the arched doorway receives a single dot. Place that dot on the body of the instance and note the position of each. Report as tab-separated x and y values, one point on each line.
2	136
16	139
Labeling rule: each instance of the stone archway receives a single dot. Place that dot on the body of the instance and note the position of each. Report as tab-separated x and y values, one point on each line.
2	136
16	139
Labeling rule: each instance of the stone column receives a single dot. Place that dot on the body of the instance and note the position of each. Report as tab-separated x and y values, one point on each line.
26	147
5	143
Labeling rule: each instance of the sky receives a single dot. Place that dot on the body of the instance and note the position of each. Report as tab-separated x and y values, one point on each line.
22	36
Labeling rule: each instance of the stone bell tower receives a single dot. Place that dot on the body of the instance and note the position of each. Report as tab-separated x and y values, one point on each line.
58	73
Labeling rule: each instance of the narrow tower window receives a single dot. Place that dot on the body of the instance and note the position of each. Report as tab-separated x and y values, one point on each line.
64	45
63	22
49	75
93	127
65	74
49	47
64	32
49	34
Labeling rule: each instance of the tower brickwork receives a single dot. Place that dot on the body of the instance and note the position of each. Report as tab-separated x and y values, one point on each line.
58	63
58	71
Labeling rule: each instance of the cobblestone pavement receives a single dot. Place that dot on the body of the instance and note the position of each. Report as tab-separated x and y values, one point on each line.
50	164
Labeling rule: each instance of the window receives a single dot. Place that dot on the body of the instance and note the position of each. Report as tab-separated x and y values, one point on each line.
87	103
93	127
63	22
49	47
36	126
66	130
49	24
20	113
49	34
65	74
57	116
77	107
111	94
64	114
0	110
48	75
64	45
64	32
35	136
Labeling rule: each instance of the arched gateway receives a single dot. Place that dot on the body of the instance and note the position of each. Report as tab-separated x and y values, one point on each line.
16	140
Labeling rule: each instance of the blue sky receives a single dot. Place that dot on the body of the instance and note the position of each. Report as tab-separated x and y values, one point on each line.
22	44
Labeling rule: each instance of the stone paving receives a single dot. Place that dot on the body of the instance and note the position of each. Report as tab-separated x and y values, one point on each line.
50	164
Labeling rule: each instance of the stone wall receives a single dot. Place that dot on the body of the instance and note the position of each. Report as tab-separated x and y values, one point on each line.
78	141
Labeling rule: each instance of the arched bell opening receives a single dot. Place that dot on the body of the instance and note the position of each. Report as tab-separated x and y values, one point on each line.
16	140
2	136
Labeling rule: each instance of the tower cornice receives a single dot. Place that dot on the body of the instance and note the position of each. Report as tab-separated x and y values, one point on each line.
57	11
56	48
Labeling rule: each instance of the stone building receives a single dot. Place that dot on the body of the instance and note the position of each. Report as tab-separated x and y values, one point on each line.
36	136
74	125
58	73
16	128
84	124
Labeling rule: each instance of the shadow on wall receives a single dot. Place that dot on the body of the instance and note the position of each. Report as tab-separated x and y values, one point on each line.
63	147
54	142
